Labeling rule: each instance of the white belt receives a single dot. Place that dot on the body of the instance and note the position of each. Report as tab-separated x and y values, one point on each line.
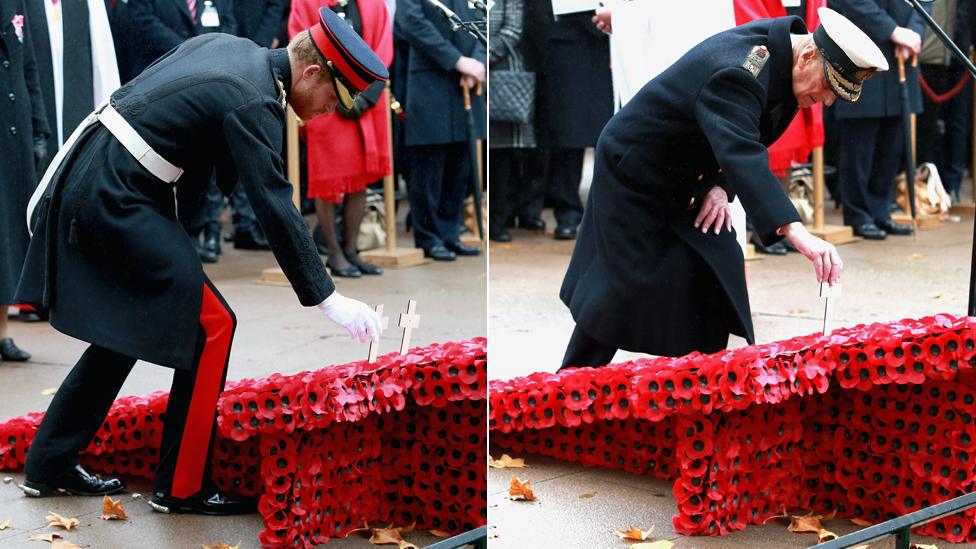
126	135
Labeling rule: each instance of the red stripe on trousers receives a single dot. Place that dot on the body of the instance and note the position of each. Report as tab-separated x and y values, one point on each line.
195	443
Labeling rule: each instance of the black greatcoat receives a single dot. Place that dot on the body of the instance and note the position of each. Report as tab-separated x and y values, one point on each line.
109	261
21	118
642	278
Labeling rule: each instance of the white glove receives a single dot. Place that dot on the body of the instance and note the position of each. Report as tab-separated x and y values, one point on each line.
356	317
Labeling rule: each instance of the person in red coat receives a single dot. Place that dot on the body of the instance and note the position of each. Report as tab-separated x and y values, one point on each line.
349	149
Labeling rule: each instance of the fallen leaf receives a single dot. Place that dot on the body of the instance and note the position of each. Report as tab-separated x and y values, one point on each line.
222	546
662	544
634	534
49	391
439	533
384	536
506	461
804	523
520	490
916	257
408	529
862	522
55	519
796	311
587	495
50	537
923	546
112	509
4	525
64	545
937	295
825	535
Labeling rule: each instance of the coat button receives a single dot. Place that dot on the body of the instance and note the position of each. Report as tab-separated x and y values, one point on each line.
11	97
13	130
701	176
6	64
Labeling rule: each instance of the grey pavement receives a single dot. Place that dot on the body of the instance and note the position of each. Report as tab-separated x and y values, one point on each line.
529	328
274	334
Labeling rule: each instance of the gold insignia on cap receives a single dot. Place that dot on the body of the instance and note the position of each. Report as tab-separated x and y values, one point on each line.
282	96
756	60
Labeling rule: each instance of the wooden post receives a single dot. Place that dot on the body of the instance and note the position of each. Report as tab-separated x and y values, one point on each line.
835	234
391	255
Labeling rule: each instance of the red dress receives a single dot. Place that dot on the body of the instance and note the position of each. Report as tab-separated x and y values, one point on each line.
346	155
806	131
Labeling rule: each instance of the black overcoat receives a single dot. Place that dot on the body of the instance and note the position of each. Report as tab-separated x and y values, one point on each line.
642	277
881	94
258	20
109	262
21	117
579	88
433	101
160	25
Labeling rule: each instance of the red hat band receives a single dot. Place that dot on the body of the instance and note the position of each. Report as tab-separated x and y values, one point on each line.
329	49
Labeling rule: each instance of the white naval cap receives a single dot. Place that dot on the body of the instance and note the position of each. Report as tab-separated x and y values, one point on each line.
850	57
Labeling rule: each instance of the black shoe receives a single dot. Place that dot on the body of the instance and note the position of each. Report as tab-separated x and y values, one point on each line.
439	253
77	481
774	249
565	232
216	504
347	272
211	240
250	240
11	353
870	231
461	249
503	236
531	224
366	268
28	316
896	229
206	256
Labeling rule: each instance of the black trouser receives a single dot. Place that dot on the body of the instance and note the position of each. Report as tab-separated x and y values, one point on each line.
82	402
502	183
870	156
563	184
584	350
927	129
439	181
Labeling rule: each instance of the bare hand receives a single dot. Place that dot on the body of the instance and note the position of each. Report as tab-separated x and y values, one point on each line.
823	255
602	20
469	66
908	38
715	211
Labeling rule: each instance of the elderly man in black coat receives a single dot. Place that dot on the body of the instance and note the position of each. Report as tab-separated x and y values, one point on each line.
110	264
656	268
23	136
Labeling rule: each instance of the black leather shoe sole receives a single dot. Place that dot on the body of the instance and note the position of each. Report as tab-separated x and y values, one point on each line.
565	233
461	249
200	507
367	268
40	490
896	229
10	352
501	237
531	224
348	272
440	253
870	232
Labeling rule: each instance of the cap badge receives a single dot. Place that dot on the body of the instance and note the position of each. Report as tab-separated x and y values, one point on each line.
756	60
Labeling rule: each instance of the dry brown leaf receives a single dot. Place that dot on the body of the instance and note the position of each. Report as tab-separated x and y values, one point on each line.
222	546
439	533
796	311
825	535
937	295
383	536
49	391
408	529
49	537
520	490
862	522
923	546
916	257
634	533
587	495
112	509
4	525
55	519
61	544
662	544
506	462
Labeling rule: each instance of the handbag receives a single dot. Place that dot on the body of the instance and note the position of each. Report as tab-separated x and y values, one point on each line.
511	98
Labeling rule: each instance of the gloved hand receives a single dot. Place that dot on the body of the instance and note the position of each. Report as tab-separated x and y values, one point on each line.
358	108
356	317
40	152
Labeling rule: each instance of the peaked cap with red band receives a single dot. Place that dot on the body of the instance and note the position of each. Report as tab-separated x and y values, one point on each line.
350	57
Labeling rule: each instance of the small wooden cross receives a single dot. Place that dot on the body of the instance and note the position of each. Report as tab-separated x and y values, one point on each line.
373	345
408	321
826	292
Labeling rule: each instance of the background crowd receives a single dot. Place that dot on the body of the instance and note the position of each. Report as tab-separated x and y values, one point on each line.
62	58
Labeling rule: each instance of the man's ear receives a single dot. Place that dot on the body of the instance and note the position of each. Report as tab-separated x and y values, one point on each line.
311	70
809	53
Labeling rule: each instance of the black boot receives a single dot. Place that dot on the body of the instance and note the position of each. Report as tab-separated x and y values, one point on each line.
77	481
11	352
211	239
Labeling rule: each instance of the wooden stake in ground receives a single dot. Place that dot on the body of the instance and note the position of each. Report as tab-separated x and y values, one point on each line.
408	321
826	293
373	345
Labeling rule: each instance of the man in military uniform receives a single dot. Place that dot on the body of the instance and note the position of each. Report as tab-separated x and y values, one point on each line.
110	264
656	268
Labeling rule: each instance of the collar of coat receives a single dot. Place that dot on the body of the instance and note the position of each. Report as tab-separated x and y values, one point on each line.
781	58
281	68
